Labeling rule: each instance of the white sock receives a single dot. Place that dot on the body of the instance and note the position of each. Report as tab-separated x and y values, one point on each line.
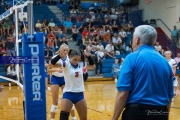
74	118
52	119
49	89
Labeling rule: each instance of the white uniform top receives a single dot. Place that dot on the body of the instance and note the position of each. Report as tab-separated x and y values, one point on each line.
173	63
73	77
58	74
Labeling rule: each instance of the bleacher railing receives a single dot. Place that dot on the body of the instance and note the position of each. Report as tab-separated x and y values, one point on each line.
169	44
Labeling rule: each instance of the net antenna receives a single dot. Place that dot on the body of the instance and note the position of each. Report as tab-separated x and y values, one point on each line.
17	4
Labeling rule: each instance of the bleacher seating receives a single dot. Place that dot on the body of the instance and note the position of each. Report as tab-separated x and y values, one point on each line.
107	65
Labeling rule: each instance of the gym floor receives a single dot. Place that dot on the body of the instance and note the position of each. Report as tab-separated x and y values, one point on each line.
100	98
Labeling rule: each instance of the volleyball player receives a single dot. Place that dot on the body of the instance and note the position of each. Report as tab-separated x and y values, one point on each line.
57	80
74	87
173	65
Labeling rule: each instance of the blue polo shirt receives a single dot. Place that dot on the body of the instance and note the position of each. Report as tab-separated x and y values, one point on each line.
147	76
78	24
175	33
68	24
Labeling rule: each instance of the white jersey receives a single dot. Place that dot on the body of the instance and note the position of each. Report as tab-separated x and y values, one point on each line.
73	77
58	74
173	63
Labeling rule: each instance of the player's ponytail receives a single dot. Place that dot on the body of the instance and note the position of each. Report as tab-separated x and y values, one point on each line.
82	56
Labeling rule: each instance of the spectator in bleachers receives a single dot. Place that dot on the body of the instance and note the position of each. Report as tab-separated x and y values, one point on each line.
85	32
56	31
115	69
76	6
106	23
85	42
118	11
70	6
45	26
100	56
52	41
11	73
116	42
130	27
158	47
6	27
109	50
3	49
90	25
174	35
78	25
75	32
102	31
64	40
73	15
48	53
124	25
19	25
24	23
4	36
113	10
104	9
108	17
177	59
100	46
107	37
10	46
51	24
123	35
67	25
115	27
38	24
90	46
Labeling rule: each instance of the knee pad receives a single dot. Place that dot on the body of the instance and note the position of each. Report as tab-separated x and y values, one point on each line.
64	115
53	108
73	107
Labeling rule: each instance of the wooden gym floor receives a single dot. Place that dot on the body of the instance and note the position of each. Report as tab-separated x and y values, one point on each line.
100	97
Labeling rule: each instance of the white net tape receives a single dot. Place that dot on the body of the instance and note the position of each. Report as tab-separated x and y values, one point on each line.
14	81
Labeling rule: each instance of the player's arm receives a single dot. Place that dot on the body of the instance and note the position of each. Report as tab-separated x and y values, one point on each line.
54	62
51	70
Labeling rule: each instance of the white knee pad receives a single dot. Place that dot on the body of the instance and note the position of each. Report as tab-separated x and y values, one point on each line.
53	108
175	83
73	107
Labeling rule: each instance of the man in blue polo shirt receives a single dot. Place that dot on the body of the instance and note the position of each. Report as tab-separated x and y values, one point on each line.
145	83
174	35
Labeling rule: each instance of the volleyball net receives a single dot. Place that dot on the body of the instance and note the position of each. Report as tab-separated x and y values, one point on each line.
17	5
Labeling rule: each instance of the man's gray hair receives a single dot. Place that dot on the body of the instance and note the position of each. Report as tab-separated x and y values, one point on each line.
147	34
